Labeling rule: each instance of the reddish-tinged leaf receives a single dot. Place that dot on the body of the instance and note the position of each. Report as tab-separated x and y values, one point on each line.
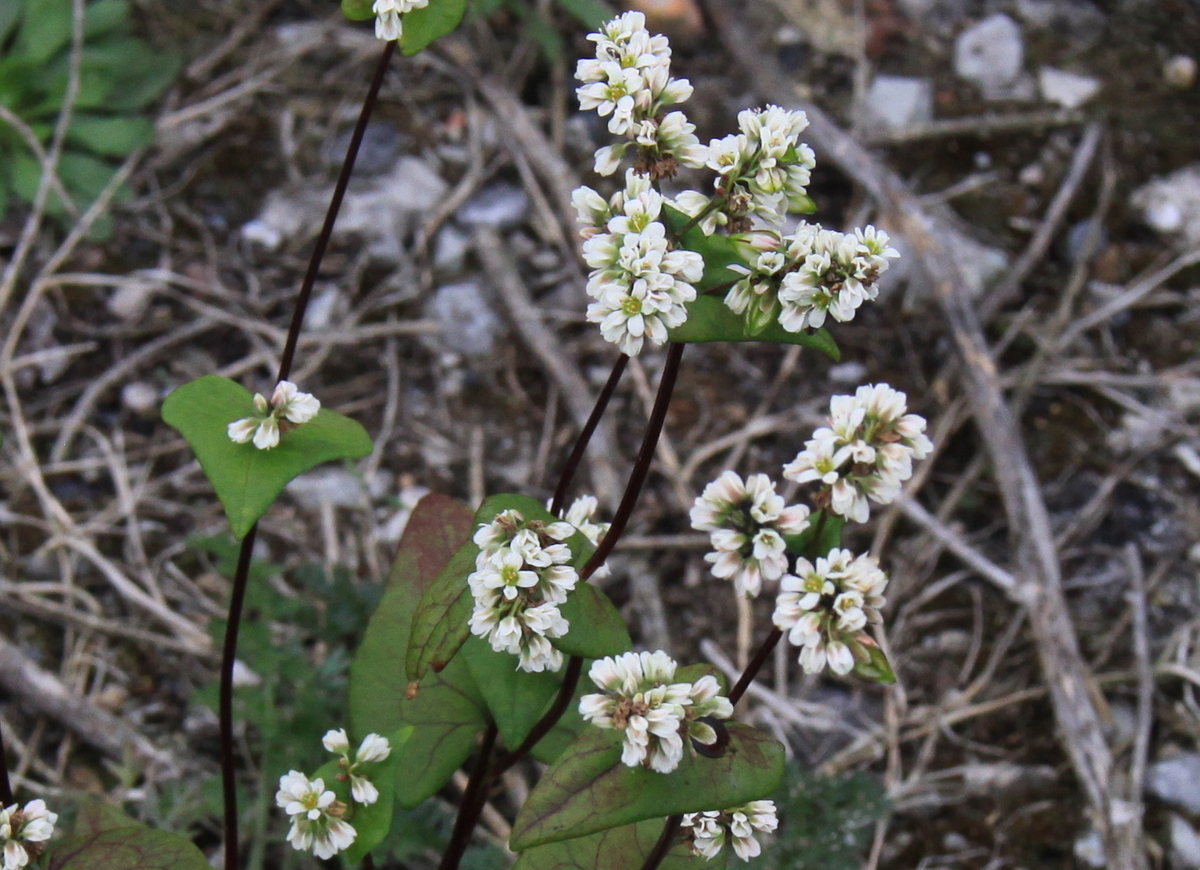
589	790
130	848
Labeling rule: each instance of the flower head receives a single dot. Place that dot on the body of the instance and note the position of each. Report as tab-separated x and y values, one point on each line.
747	522
387	16
287	404
316	815
374	748
825	606
865	452
24	832
708	831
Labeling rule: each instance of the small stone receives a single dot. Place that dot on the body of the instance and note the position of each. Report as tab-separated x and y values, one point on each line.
1176	781
955	842
376	155
501	206
386	210
450	250
130	300
1185	845
468	324
324	308
990	54
1032	175
852	373
139	397
338	488
1067	89
244	677
1077	238
392	530
898	101
1089	850
1171	205
1180	72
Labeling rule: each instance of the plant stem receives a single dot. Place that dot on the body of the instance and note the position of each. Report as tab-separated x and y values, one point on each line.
473	801
6	792
228	762
665	841
755	665
585	434
335	205
368	862
548	721
237	598
633	489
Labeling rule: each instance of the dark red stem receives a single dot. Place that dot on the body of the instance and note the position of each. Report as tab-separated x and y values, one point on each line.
641	467
665	841
6	792
228	762
585	435
473	801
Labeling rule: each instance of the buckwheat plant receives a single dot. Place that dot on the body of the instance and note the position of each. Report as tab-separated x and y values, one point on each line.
475	654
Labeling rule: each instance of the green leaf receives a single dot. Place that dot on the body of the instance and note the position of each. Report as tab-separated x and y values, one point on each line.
516	699
589	790
128	848
805	544
590	13
45	28
870	663
447	711
9	12
710	319
597	629
96	816
111	137
358	10
104	16
440	624
719	251
247	480
624	848
423	26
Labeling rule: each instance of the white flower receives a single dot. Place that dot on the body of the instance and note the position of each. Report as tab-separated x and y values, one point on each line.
866	452
316	815
287	402
708	830
746	522
374	748
825	608
387	21
23	831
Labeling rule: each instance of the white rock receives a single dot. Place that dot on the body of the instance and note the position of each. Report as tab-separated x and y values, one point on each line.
1089	850
990	54
1185	845
1176	781
244	677
324	308
1180	71
131	299
898	101
450	250
393	529
499	205
139	397
1067	89
337	487
468	324
1171	205
853	373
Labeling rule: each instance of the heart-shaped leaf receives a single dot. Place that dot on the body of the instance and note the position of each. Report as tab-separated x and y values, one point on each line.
615	849
423	26
134	847
447	711
516	699
589	790
441	623
808	545
247	480
358	10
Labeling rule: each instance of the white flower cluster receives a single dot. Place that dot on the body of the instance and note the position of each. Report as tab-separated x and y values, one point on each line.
387	16
707	831
866	451
287	404
640	283
629	82
799	279
24	832
639	698
521	576
825	608
374	748
764	170
747	522
317	816
582	515
316	813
